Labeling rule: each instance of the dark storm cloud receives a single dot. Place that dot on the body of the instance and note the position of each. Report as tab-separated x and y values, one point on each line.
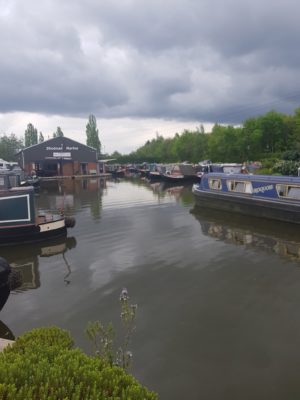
211	61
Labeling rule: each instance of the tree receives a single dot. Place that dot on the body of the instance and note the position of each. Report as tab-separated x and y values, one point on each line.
116	155
31	135
9	146
41	137
92	134
223	144
58	133
273	132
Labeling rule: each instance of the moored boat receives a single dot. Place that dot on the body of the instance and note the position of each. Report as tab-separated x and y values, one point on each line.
156	172
180	173
154	176
273	197
19	220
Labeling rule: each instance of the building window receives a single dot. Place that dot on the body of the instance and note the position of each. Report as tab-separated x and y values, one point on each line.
239	186
215	184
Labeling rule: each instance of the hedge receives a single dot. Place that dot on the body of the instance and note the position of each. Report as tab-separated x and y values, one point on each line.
44	365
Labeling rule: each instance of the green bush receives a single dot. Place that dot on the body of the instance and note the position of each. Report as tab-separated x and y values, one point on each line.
263	171
43	365
269	162
287	167
291	155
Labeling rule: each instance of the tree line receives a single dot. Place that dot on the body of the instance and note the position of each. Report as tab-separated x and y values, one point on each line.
272	136
266	137
11	144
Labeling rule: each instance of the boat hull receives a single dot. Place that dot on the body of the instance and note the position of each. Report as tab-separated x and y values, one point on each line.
258	207
179	178
155	176
32	233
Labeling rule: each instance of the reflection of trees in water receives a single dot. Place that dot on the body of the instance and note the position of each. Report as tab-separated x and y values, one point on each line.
280	238
96	205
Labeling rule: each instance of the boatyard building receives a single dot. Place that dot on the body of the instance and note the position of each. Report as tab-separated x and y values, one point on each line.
59	156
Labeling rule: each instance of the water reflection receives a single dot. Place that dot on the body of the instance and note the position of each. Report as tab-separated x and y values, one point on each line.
208	311
25	260
280	238
70	195
181	193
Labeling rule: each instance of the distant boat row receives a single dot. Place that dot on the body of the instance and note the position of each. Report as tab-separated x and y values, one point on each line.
172	173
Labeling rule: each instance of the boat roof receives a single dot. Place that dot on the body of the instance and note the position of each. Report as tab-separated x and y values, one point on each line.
251	177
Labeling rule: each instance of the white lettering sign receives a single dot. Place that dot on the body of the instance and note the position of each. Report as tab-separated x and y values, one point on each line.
54	148
263	189
61	155
71	148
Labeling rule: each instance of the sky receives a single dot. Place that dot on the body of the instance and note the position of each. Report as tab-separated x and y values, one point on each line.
145	67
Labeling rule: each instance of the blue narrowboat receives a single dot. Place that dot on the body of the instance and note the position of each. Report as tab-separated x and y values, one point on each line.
20	222
273	197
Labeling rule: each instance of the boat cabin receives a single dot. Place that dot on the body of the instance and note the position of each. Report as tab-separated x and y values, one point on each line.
284	187
9	180
16	203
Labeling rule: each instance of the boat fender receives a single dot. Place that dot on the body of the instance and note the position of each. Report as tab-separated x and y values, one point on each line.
70	222
8	276
5	270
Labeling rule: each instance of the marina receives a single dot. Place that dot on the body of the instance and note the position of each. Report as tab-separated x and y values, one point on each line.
217	293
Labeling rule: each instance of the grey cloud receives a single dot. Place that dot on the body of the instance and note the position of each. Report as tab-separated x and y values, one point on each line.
211	61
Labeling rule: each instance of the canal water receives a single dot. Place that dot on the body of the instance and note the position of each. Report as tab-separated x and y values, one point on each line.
218	295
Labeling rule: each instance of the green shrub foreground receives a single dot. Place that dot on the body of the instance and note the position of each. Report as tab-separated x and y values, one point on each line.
43	365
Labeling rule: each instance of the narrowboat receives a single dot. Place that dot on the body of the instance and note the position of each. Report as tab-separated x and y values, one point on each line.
273	197
183	172
156	172
20	221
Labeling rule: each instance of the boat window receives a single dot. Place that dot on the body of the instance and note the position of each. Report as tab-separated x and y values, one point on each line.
281	190
239	186
14	181
215	184
248	187
292	192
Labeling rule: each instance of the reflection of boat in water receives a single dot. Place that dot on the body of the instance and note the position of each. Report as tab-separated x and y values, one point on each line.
166	188
279	237
25	259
